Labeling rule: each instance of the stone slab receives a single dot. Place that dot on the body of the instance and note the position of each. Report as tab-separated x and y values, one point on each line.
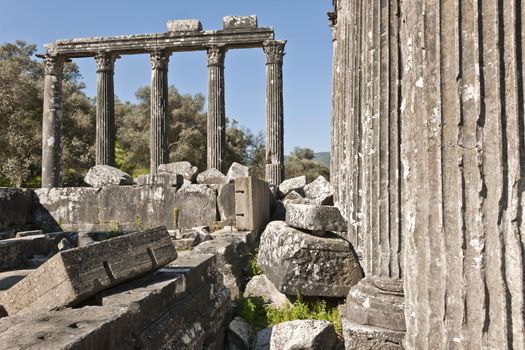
15	253
196	206
184	25
75	275
253	201
316	218
105	175
300	263
211	177
173	180
28	233
294	184
226	203
10	278
239	22
188	171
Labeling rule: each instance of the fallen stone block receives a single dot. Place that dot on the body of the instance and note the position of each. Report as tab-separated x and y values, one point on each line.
239	334
10	278
300	263
261	287
28	233
188	171
184	25
226	202
196	206
236	171
294	184
299	334
211	177
75	275
105	175
315	218
239	22
15	253
320	191
166	179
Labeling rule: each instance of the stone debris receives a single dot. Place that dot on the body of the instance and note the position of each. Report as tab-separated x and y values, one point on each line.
236	171
299	334
261	287
317	219
240	22
188	171
74	275
162	178
211	177
184	25
320	191
64	244
239	334
105	175
300	263
294	184
201	235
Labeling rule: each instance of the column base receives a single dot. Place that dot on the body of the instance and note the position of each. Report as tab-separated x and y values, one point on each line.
375	314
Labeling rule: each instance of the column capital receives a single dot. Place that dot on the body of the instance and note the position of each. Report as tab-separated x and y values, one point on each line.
274	51
159	59
53	65
105	61
216	56
332	19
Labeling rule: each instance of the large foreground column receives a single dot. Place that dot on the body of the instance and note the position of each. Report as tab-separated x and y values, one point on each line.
105	135
159	152
216	108
463	154
367	168
274	52
52	122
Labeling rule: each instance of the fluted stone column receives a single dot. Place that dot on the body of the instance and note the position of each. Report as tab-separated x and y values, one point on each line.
216	108
159	148
274	52
105	130
463	155
367	168
52	122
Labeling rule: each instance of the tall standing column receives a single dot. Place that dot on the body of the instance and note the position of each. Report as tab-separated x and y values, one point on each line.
159	152
463	154
216	108
274	52
366	142
52	122
105	134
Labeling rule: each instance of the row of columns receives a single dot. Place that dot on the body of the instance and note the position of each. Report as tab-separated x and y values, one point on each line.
159	145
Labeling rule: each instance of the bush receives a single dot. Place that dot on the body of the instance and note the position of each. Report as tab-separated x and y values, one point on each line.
254	268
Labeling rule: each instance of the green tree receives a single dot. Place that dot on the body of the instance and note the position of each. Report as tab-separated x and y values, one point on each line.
302	162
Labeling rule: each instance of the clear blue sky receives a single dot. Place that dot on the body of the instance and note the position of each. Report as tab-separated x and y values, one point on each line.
307	64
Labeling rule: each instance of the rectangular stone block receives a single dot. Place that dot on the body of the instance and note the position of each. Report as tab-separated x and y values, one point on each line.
240	22
184	25
253	200
16	252
75	275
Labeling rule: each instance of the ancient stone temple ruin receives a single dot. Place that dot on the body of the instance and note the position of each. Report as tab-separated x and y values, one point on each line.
185	35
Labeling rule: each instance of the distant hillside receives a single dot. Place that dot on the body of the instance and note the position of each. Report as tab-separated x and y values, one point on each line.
323	157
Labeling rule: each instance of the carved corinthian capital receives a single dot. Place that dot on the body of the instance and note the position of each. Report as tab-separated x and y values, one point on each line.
216	56
53	65
159	59
105	61
274	51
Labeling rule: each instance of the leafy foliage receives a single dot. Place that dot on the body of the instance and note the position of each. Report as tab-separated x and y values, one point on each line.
302	162
254	268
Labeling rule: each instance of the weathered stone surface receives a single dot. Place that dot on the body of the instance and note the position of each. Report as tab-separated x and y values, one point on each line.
216	116
239	22
197	205
239	335
188	171
300	263
10	278
167	179
211	177
253	202
316	218
320	191
105	109
64	244
201	235
295	184
15	253
105	175
74	275
226	203
236	171
28	233
293	196
261	287
184	25
300	334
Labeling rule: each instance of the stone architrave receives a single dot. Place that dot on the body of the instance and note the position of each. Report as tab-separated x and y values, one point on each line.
216	108
274	52
52	121
159	152
105	133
